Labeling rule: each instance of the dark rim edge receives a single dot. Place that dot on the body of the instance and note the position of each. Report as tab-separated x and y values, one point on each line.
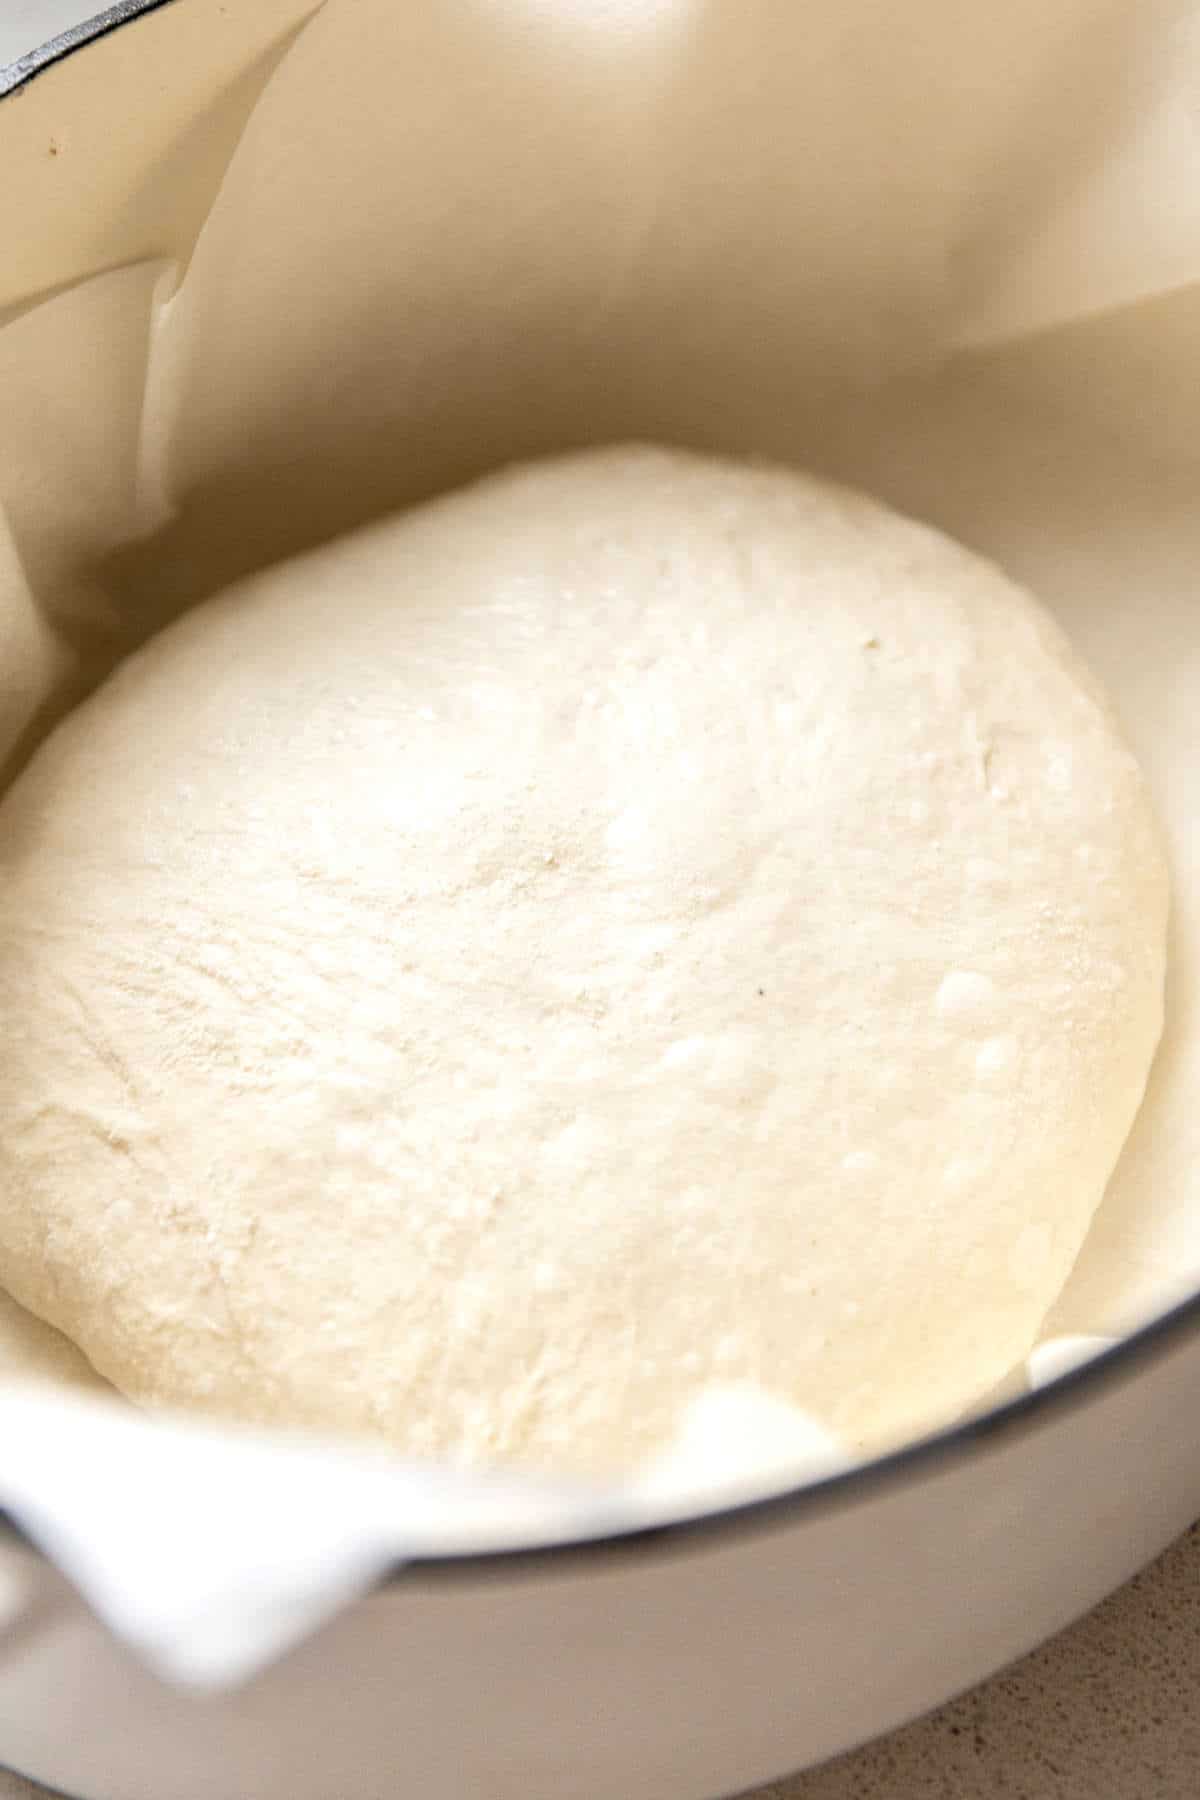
16	75
1013	1418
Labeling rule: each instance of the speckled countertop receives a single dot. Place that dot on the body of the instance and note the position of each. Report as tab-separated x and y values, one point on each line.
1110	1710
1107	1711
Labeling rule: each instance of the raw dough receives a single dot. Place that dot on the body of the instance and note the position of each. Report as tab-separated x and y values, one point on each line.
33	1351
641	923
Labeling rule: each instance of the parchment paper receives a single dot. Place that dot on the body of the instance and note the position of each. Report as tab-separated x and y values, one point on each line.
944	251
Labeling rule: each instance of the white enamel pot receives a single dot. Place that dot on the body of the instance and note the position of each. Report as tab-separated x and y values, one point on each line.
687	1662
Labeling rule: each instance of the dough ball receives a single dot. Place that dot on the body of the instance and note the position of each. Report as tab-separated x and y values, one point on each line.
640	924
31	1351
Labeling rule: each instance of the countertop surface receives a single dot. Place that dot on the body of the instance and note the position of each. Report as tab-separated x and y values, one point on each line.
1106	1711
